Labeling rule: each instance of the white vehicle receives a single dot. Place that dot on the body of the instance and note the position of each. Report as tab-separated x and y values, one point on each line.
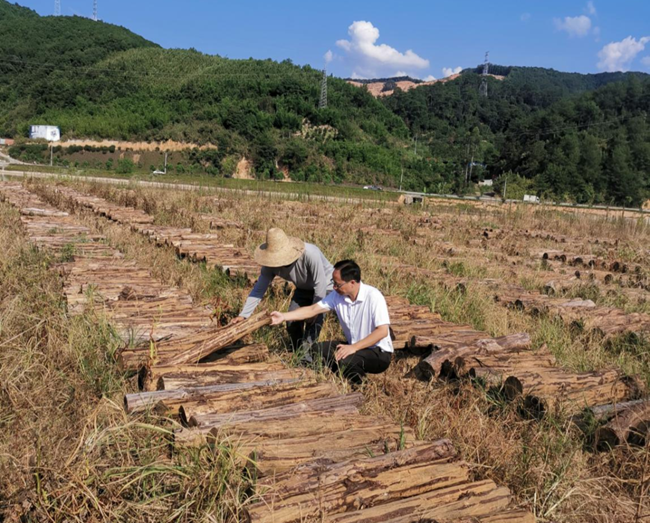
531	198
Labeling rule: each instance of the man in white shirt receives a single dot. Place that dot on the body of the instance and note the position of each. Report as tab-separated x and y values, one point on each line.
363	316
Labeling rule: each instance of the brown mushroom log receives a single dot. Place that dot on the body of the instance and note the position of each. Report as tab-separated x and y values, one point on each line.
431	366
222	338
476	499
628	426
315	490
255	398
273	456
229	375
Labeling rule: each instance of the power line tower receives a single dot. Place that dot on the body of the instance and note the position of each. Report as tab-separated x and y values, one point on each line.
483	89
57	7
95	10
322	103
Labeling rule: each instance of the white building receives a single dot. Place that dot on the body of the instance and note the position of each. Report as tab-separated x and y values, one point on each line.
49	132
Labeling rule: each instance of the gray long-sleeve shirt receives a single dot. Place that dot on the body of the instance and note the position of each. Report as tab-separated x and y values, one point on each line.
312	271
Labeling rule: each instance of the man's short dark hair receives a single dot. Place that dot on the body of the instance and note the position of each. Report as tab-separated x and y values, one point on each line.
349	270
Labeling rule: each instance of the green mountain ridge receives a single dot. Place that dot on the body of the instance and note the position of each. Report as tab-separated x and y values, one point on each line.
560	135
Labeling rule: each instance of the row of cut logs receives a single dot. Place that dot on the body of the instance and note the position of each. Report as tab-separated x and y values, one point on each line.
351	467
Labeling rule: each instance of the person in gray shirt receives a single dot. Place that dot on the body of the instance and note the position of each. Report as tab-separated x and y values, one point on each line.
304	265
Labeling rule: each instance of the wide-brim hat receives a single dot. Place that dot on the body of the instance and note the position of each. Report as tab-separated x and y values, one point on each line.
279	249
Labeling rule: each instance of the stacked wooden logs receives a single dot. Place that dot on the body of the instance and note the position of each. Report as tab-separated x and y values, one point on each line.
522	375
197	247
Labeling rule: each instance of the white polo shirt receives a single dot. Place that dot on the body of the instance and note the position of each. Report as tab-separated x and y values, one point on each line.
360	317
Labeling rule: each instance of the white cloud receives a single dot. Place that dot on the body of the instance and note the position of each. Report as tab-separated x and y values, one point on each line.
574	25
429	78
448	71
591	8
525	17
617	56
401	73
357	76
329	56
374	58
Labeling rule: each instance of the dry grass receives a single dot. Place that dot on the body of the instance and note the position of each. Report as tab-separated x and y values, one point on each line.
86	460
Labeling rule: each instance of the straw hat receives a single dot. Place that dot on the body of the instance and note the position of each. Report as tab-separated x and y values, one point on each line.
279	249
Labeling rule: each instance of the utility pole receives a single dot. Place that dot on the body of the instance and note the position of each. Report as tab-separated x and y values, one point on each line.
322	103
401	178
505	186
483	89
416	145
51	154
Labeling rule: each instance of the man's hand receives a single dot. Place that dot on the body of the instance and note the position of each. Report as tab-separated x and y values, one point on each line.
236	320
277	318
343	351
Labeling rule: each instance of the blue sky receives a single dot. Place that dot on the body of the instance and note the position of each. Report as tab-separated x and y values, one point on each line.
383	38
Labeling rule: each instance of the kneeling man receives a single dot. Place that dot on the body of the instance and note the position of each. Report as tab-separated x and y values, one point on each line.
363	315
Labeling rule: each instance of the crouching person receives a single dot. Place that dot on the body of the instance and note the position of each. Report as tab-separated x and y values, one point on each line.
363	315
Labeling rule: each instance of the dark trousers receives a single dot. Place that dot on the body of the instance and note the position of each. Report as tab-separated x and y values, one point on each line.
303	331
354	368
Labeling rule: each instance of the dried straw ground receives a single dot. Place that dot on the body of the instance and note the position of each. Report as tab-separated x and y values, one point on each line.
69	453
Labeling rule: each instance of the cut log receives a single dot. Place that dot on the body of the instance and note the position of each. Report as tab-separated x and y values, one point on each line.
605	412
629	426
431	366
506	516
222	338
193	412
347	403
273	372
315	490
269	457
449	504
168	400
300	423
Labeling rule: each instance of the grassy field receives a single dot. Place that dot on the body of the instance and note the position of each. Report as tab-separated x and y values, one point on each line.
69	453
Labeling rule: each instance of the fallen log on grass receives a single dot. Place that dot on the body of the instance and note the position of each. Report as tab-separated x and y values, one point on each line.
477	499
170	400
222	338
194	411
544	389
630	425
233	355
229	374
315	490
274	456
299	419
431	366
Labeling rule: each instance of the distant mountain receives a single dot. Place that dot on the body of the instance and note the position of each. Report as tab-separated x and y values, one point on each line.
559	135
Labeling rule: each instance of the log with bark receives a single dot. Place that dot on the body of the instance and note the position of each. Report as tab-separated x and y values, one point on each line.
448	349
192	412
222	338
170	400
314	490
345	404
298	419
238	354
629	426
230	374
545	388
476	499
273	456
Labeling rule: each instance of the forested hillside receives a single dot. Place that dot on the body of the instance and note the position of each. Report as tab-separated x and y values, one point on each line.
561	135
547	130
